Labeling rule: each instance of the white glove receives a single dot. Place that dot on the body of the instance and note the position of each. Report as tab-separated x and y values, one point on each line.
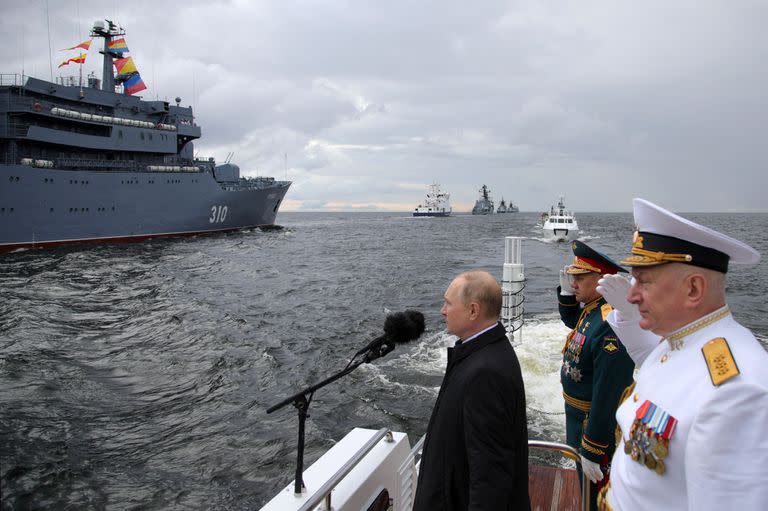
565	284
591	470
614	289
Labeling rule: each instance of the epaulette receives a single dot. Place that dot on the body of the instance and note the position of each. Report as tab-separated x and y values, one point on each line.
605	310
722	366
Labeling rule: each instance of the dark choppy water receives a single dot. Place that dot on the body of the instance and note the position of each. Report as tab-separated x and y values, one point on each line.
137	376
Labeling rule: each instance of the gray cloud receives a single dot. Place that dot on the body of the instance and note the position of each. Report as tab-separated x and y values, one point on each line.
371	101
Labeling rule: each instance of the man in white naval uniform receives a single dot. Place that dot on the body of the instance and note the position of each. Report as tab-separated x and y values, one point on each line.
694	430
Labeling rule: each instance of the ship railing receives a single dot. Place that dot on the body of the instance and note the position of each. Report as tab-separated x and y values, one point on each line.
323	494
14	129
408	473
408	476
12	79
567	452
93	163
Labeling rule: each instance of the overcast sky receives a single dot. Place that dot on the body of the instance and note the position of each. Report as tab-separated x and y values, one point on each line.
373	100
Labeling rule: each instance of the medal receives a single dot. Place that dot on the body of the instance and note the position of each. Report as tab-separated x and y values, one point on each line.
650	434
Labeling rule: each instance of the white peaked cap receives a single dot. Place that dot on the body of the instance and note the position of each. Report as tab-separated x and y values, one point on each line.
651	218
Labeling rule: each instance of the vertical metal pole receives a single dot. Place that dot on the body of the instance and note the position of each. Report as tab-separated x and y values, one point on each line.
512	283
301	405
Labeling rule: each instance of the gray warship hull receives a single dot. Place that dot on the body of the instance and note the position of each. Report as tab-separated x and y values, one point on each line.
49	207
85	162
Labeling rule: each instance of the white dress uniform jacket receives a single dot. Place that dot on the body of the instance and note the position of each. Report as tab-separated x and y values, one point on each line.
718	454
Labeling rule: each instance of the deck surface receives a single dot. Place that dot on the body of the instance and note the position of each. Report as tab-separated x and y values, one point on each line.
553	489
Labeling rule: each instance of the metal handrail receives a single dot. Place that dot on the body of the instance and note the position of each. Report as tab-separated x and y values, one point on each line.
572	454
324	492
418	446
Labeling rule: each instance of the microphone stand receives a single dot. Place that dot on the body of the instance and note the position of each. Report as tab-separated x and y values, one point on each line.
301	400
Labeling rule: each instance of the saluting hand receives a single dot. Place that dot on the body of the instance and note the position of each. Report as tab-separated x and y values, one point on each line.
614	289
565	283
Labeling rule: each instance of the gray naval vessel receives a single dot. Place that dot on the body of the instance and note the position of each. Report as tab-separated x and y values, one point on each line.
85	162
484	204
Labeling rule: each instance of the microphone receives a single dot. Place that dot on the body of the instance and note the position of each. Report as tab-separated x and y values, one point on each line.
399	328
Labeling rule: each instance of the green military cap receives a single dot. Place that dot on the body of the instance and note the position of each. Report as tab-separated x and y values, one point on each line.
587	259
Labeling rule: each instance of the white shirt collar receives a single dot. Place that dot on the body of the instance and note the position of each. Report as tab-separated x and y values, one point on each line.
478	334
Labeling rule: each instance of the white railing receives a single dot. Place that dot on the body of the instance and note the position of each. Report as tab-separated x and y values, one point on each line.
323	494
408	478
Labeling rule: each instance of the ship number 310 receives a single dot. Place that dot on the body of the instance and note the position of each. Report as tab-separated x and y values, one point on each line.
218	214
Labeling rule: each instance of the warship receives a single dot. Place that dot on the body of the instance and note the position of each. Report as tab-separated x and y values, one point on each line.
484	204
92	163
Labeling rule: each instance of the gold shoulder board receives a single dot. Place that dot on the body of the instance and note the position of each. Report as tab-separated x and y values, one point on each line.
605	310
722	366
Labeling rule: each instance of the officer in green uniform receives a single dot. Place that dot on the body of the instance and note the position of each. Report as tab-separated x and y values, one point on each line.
596	367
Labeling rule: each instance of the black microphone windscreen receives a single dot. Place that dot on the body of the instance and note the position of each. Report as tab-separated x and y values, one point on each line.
405	326
417	318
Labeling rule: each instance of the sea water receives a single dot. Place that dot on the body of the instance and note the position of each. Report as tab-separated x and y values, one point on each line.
138	376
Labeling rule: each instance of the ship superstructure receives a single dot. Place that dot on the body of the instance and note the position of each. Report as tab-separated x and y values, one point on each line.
89	163
436	203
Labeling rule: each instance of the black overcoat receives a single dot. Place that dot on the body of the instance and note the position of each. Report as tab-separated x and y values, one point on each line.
475	455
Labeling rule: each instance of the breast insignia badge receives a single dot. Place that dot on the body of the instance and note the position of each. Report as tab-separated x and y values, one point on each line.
610	345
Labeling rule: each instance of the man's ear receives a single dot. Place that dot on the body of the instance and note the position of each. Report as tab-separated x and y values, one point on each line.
696	289
474	310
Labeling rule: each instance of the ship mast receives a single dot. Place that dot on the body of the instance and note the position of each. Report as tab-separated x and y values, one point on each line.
107	31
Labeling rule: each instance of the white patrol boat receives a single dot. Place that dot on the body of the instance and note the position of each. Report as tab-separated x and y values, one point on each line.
436	203
373	470
560	224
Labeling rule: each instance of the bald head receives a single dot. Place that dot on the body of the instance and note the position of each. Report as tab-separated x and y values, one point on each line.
482	288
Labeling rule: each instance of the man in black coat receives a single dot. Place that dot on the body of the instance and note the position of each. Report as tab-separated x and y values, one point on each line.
475	455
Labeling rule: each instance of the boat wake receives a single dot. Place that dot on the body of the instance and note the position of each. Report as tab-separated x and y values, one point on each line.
420	370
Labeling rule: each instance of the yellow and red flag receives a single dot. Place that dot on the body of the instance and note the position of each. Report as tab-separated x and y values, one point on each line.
84	45
125	66
80	59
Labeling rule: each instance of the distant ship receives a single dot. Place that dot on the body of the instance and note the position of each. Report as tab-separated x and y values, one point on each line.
484	204
436	203
560	224
93	163
506	208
